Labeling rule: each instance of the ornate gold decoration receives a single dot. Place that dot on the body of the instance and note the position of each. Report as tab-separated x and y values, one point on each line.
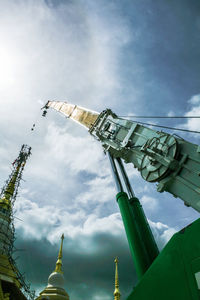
116	291
59	261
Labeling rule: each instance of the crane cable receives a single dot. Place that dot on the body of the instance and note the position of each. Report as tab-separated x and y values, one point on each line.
44	108
167	127
161	117
164	117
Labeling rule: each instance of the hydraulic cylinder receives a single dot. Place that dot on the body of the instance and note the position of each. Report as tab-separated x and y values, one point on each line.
135	238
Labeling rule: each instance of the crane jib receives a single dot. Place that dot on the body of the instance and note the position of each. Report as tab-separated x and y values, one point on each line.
172	162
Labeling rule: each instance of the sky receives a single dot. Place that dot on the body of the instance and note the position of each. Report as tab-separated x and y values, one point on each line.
137	57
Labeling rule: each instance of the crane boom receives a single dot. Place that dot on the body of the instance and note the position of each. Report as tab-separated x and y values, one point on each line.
172	162
81	115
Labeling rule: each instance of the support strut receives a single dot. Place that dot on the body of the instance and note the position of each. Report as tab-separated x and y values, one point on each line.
140	238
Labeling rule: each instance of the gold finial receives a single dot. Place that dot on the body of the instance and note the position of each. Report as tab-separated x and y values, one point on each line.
59	261
116	292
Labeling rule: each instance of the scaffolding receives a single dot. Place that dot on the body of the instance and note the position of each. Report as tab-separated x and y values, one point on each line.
8	196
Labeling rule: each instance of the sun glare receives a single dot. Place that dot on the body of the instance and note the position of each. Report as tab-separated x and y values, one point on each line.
9	63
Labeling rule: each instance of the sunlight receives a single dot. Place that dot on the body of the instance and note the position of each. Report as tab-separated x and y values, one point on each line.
9	64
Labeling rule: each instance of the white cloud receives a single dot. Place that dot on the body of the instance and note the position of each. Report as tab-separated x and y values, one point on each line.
99	191
51	56
46	54
149	203
111	224
171	113
193	124
167	234
80	153
131	171
38	222
162	232
194	100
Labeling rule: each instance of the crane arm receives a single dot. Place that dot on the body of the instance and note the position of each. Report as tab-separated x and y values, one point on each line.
160	157
81	115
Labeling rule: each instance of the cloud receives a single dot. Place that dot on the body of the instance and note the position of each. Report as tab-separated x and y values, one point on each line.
112	224
87	275
194	100
194	110
50	56
75	151
92	246
150	203
78	53
38	222
162	232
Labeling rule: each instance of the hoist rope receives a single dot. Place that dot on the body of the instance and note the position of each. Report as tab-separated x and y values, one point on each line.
167	127
161	117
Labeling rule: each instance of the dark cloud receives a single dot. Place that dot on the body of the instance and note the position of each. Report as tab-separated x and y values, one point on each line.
87	273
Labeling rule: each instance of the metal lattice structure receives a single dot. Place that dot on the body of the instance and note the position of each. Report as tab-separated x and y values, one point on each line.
8	196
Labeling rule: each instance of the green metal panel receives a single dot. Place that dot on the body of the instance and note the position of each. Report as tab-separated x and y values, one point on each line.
174	274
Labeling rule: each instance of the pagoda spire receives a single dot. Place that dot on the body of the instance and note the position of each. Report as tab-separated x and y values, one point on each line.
10	189
8	195
116	291
59	261
9	273
55	288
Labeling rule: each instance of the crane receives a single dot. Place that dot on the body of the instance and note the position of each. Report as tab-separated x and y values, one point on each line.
174	164
171	161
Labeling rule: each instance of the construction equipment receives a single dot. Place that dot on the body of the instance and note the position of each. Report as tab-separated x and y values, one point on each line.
174	164
160	157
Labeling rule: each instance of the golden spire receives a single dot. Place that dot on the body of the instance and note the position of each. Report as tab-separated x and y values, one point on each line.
9	191
59	261
116	292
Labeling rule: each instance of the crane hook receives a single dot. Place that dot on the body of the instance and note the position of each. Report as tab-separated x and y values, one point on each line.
33	127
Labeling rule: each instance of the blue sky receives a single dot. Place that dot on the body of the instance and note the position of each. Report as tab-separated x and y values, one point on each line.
135	57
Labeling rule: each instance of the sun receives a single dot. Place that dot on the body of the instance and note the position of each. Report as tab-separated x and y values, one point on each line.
9	66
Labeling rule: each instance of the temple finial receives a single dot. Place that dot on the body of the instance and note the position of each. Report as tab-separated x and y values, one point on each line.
59	261
116	292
